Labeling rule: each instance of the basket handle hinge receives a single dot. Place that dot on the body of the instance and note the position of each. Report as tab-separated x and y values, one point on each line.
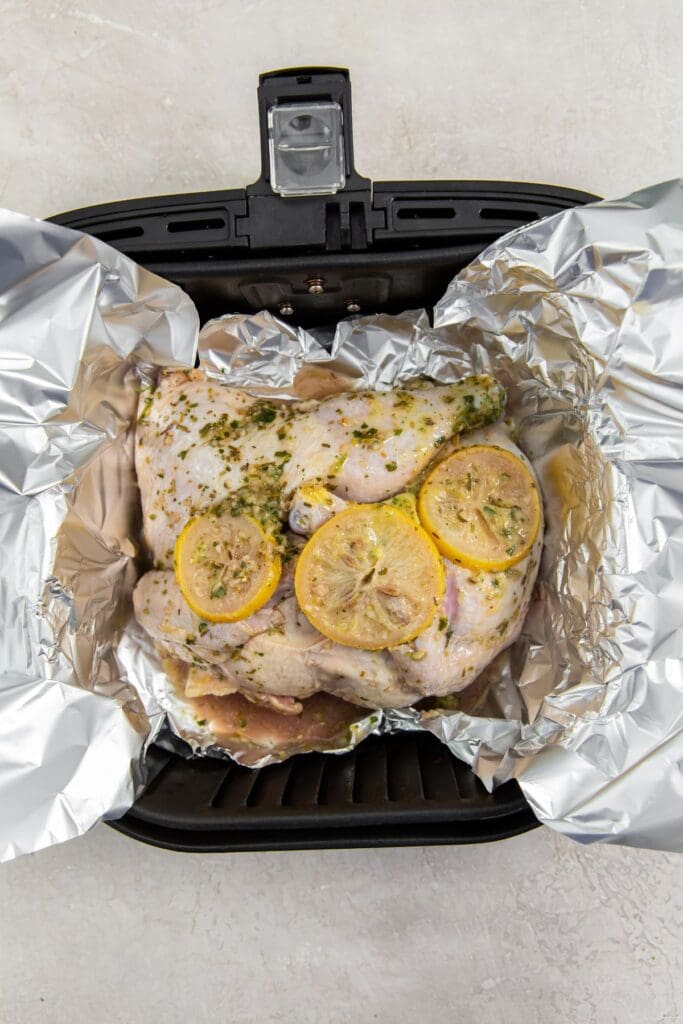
309	193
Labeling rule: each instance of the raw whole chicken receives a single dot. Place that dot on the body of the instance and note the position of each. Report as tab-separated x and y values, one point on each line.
202	445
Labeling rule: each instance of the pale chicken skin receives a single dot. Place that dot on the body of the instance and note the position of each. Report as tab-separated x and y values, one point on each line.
200	443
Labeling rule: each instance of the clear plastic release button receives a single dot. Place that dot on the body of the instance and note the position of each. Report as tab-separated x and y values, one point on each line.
306	145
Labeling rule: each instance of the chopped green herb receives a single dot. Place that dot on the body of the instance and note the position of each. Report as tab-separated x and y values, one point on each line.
338	464
145	409
451	702
265	414
276	630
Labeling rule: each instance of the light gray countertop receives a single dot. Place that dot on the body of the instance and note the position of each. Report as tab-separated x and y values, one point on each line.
100	101
535	929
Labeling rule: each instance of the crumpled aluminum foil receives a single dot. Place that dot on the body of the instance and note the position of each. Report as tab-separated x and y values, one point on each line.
581	317
578	316
80	325
269	357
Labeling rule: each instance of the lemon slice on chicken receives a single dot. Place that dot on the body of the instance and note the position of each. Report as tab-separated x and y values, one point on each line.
226	566
482	508
370	577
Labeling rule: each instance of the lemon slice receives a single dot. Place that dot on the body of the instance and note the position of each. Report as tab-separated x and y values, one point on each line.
370	577
226	566
482	507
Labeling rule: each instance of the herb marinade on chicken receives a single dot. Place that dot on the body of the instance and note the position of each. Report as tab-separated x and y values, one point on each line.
293	464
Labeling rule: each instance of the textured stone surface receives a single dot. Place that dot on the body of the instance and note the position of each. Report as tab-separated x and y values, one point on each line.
106	100
532	929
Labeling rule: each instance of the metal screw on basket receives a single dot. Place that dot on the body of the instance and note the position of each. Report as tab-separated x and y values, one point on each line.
316	286
286	308
352	306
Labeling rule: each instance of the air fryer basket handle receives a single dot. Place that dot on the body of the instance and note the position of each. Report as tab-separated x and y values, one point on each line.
306	85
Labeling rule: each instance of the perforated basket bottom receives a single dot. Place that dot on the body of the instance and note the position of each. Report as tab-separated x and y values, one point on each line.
397	790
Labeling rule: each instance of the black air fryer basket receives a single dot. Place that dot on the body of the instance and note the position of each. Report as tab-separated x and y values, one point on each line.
313	242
